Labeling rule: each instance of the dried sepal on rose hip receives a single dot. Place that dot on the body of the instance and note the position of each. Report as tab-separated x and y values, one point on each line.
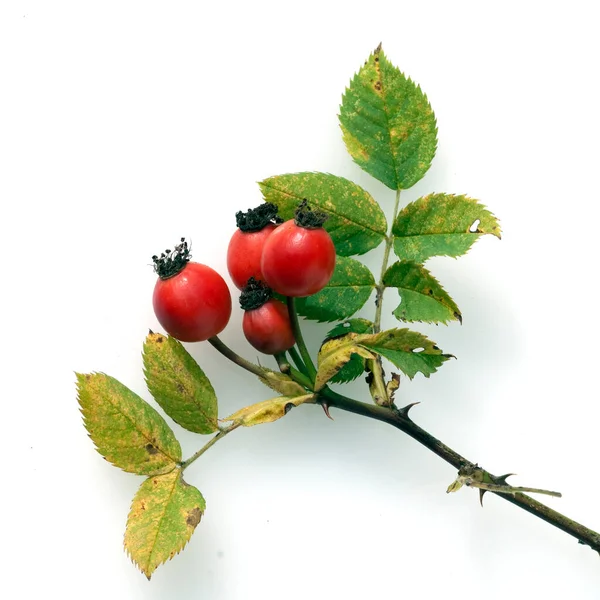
298	258
246	245
191	301
266	322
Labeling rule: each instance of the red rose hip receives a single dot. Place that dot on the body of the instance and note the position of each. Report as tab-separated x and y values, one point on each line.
191	301
266	322
299	256
245	248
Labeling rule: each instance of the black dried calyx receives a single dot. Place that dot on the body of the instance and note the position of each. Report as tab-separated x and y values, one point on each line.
255	294
171	262
308	218
257	218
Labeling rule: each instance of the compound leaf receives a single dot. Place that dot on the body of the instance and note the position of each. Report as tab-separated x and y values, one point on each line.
422	298
387	123
179	385
347	291
164	514
125	429
356	222
441	225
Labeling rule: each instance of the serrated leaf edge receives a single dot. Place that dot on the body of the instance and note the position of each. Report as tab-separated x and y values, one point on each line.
165	470
210	420
456	314
262	184
148	572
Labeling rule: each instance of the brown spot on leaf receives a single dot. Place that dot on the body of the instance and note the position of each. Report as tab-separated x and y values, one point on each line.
150	449
378	86
193	517
288	407
180	388
160	339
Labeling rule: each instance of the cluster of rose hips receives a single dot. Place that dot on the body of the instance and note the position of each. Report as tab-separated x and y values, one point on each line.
295	258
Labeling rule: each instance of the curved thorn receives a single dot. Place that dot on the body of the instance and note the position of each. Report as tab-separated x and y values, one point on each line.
502	478
405	409
325	407
481	493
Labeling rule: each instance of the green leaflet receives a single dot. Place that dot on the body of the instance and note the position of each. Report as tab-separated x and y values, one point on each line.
422	298
164	514
356	222
268	411
388	125
127	431
355	367
179	385
441	225
347	291
335	354
409	350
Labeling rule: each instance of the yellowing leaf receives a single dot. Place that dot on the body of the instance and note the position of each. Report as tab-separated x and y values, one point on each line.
179	385
268	410
335	353
164	514
281	383
127	431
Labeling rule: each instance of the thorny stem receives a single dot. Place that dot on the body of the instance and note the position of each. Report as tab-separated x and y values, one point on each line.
400	420
312	371
186	463
236	358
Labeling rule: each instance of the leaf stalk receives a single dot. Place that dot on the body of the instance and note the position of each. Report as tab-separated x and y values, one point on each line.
186	463
308	363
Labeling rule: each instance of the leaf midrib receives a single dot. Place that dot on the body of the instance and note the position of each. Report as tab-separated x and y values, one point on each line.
473	233
387	121
148	439
349	285
333	212
165	505
193	403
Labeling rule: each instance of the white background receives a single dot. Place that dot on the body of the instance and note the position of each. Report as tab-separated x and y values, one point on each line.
125	125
